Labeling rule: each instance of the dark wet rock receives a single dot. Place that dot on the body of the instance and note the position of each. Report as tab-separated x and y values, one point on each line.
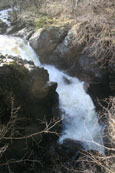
64	153
16	26
67	81
33	100
25	32
30	87
52	85
21	28
87	70
111	76
3	27
69	148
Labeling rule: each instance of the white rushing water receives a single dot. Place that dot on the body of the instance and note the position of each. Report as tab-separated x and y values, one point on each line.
78	111
4	16
17	47
80	119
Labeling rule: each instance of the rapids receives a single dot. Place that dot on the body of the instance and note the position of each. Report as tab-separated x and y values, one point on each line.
4	15
80	121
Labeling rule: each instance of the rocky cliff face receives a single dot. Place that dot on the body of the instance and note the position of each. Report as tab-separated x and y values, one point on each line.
63	49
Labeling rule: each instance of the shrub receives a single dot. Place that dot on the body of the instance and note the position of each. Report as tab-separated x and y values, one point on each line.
45	22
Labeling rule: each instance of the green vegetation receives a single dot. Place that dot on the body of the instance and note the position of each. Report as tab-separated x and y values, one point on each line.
45	22
42	21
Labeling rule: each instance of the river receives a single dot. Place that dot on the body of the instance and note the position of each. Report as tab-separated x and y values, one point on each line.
80	120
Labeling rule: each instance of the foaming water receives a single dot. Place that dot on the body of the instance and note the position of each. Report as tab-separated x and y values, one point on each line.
80	119
17	47
4	15
78	111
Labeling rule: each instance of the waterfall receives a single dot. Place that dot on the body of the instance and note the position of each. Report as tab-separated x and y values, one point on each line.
17	47
80	120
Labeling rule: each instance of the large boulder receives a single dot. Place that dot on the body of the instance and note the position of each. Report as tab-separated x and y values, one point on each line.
45	41
29	85
28	103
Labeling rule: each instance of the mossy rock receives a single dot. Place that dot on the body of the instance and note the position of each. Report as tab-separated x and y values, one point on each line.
27	100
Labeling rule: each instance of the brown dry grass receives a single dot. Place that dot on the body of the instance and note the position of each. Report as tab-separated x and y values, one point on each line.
98	31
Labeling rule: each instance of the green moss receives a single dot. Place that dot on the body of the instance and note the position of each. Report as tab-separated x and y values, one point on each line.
41	22
45	22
